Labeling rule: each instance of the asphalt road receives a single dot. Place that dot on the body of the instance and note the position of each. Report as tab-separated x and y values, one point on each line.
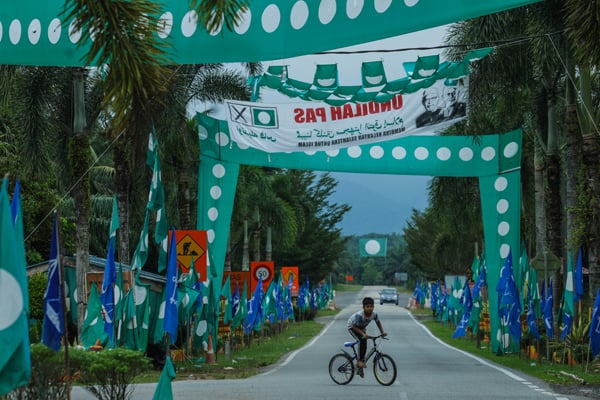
427	368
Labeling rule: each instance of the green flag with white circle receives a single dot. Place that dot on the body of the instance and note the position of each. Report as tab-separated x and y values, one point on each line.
372	247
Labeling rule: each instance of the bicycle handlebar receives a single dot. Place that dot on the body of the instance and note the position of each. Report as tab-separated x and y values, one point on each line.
380	336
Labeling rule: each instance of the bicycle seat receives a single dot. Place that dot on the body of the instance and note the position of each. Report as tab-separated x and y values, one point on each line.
350	344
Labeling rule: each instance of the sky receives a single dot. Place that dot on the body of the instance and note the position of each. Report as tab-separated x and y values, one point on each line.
380	203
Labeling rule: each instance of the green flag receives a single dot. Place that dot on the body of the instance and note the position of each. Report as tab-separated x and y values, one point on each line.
156	198
373	247
141	251
142	312
226	293
475	268
162	254
130	325
164	391
152	151
71	291
569	307
158	317
15	364
187	298
119	304
93	324
114	220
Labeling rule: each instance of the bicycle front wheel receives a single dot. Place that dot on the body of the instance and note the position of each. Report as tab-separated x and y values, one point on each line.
384	369
341	369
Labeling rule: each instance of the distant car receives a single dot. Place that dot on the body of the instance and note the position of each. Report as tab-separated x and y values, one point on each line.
388	295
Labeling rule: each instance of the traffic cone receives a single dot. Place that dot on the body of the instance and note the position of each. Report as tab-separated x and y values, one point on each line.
210	354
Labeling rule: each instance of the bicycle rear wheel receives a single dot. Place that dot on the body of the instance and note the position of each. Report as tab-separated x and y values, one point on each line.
341	369
384	369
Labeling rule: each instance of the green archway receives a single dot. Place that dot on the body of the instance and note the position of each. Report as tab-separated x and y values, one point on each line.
494	159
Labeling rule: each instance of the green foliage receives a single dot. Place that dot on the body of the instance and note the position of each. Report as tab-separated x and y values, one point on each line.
48	375
370	274
108	374
385	268
36	286
317	242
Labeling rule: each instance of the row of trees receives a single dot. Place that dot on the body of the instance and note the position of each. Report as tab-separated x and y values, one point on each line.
375	270
542	76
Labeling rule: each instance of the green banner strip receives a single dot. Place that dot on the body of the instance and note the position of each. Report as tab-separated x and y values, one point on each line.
33	33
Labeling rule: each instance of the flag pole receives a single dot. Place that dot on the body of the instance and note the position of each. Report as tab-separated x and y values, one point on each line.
167	348
61	281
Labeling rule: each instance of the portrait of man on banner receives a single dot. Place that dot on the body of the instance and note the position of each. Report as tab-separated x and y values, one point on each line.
454	106
433	108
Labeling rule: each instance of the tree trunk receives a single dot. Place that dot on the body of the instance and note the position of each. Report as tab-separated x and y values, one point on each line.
541	243
185	198
554	201
571	173
78	156
269	247
227	263
122	180
591	163
591	152
246	249
80	161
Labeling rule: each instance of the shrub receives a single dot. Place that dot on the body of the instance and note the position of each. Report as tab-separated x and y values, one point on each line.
109	373
48	375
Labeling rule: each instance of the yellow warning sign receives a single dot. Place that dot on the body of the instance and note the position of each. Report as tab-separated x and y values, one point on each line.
191	247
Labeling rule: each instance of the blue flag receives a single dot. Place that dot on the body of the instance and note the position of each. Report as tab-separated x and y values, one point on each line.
254	316
170	321
107	297
509	304
235	299
578	278
481	281
461	328
548	318
467	302
595	327
532	321
53	327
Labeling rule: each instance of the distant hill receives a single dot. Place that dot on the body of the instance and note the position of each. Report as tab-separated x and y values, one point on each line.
380	203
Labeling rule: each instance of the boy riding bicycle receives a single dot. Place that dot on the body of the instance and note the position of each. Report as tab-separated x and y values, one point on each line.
357	326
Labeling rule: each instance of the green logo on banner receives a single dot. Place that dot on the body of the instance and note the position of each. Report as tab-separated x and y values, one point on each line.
264	117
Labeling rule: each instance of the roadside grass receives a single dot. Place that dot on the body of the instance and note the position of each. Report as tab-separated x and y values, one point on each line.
250	360
344	287
550	372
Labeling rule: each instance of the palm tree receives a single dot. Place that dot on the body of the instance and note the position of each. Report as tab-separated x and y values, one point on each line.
136	79
583	27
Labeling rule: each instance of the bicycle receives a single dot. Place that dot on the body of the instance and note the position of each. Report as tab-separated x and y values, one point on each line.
342	368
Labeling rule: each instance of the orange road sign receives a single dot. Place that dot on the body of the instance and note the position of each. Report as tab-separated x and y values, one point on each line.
191	245
290	274
264	270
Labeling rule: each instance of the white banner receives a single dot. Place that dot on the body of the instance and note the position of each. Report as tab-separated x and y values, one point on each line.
314	126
